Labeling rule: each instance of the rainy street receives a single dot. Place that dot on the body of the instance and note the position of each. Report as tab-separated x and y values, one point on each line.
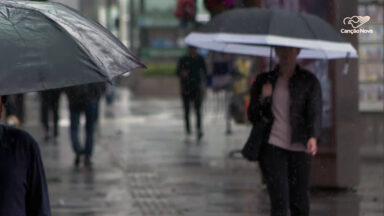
144	165
192	108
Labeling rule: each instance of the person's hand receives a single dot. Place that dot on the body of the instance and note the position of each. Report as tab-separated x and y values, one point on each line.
184	73
266	91
312	146
12	120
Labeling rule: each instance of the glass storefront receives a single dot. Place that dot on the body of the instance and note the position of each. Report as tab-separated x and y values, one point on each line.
371	77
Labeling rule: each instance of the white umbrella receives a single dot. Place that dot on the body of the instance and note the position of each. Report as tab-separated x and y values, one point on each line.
255	31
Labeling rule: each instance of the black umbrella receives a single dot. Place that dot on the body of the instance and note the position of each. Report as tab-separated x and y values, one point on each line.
49	45
253	31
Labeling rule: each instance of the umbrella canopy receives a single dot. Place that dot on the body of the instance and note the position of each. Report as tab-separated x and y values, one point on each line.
48	45
251	31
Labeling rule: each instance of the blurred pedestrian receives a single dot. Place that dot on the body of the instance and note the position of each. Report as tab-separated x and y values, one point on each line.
191	70
10	113
23	186
50	105
18	106
222	75
110	95
289	99
84	99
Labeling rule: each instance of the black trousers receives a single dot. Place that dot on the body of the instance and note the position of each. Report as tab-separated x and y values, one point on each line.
287	177
197	100
50	104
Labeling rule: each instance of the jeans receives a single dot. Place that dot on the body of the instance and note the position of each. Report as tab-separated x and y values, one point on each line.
287	177
90	111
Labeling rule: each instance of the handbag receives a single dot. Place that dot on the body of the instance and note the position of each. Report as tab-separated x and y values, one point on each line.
256	141
260	130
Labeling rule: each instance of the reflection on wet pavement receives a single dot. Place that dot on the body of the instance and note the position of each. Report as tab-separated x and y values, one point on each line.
145	166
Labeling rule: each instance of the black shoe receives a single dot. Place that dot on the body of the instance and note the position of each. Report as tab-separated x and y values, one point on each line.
77	160
88	163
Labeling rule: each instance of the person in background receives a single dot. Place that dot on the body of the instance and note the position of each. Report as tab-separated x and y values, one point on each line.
10	113
289	98
191	70
23	186
84	99
15	106
50	105
222	77
110	95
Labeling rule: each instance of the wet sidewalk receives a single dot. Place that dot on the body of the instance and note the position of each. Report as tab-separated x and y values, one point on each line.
145	166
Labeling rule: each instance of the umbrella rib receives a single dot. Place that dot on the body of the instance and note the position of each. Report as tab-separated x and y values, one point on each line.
5	16
100	27
20	36
23	42
311	30
14	27
309	26
58	26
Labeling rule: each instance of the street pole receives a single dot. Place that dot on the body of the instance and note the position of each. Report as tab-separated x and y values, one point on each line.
142	6
123	25
108	14
132	20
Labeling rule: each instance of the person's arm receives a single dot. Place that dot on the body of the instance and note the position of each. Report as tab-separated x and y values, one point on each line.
314	110
37	200
204	75
204	67
259	107
314	116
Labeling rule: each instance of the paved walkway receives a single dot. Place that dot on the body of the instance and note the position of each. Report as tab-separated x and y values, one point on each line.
145	166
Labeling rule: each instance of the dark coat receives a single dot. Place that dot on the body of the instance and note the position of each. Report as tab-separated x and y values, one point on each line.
23	187
79	96
305	104
191	72
50	97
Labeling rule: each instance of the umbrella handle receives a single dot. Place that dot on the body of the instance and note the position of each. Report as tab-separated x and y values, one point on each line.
270	59
346	64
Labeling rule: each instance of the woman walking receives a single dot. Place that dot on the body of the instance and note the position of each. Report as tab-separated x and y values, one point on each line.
289	100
